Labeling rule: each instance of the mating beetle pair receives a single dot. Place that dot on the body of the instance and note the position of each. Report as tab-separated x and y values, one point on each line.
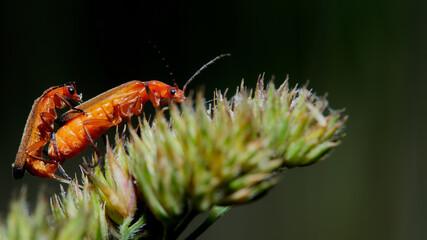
85	122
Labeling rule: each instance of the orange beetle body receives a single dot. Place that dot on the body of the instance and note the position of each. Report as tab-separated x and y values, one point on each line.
38	130
104	111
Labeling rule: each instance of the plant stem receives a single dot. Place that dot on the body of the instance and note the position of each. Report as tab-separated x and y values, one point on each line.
214	214
182	225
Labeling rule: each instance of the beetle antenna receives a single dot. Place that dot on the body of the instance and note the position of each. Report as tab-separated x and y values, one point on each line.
203	67
165	63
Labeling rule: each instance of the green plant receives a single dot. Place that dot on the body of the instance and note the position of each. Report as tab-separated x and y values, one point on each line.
200	159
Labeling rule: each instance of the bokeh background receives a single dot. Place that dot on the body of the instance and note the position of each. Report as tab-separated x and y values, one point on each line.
370	57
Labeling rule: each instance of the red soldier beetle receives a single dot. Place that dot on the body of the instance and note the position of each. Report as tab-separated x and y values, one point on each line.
38	130
110	109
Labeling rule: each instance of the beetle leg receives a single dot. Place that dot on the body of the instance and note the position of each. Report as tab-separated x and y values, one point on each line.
28	152
41	159
55	147
48	119
35	146
154	100
137	107
99	122
61	169
69	104
131	105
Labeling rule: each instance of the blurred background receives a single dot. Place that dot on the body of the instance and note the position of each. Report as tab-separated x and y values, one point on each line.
369	56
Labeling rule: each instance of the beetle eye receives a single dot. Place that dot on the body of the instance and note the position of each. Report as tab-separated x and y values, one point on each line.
173	92
71	90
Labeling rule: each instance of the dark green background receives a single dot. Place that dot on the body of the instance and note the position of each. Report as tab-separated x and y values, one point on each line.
370	56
